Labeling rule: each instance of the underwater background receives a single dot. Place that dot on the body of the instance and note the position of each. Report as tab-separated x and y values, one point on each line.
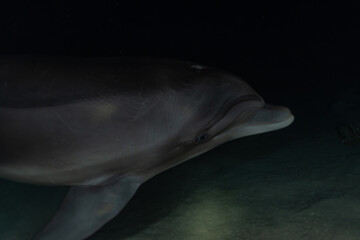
301	182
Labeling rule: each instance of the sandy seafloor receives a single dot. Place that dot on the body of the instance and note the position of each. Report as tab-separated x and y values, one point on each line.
301	182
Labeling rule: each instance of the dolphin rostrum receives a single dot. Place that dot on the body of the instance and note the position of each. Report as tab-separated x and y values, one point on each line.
106	125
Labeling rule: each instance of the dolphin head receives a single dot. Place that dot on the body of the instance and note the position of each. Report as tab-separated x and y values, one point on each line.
218	108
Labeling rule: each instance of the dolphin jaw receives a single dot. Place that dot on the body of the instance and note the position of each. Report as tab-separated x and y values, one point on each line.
266	119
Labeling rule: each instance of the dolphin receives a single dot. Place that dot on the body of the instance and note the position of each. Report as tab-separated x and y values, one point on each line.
104	126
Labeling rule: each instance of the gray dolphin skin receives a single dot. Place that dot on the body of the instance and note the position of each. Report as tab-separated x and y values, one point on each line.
104	126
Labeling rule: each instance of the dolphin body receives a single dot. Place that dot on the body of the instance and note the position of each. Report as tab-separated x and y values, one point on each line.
104	126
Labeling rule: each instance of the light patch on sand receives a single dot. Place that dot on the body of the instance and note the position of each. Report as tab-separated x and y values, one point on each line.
209	216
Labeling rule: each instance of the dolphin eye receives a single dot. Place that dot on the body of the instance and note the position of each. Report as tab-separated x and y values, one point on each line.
202	137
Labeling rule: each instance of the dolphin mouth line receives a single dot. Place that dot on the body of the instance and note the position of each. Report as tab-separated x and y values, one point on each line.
266	119
284	123
271	115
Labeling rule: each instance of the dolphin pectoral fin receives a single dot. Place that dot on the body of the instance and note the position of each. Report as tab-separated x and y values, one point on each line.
87	208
